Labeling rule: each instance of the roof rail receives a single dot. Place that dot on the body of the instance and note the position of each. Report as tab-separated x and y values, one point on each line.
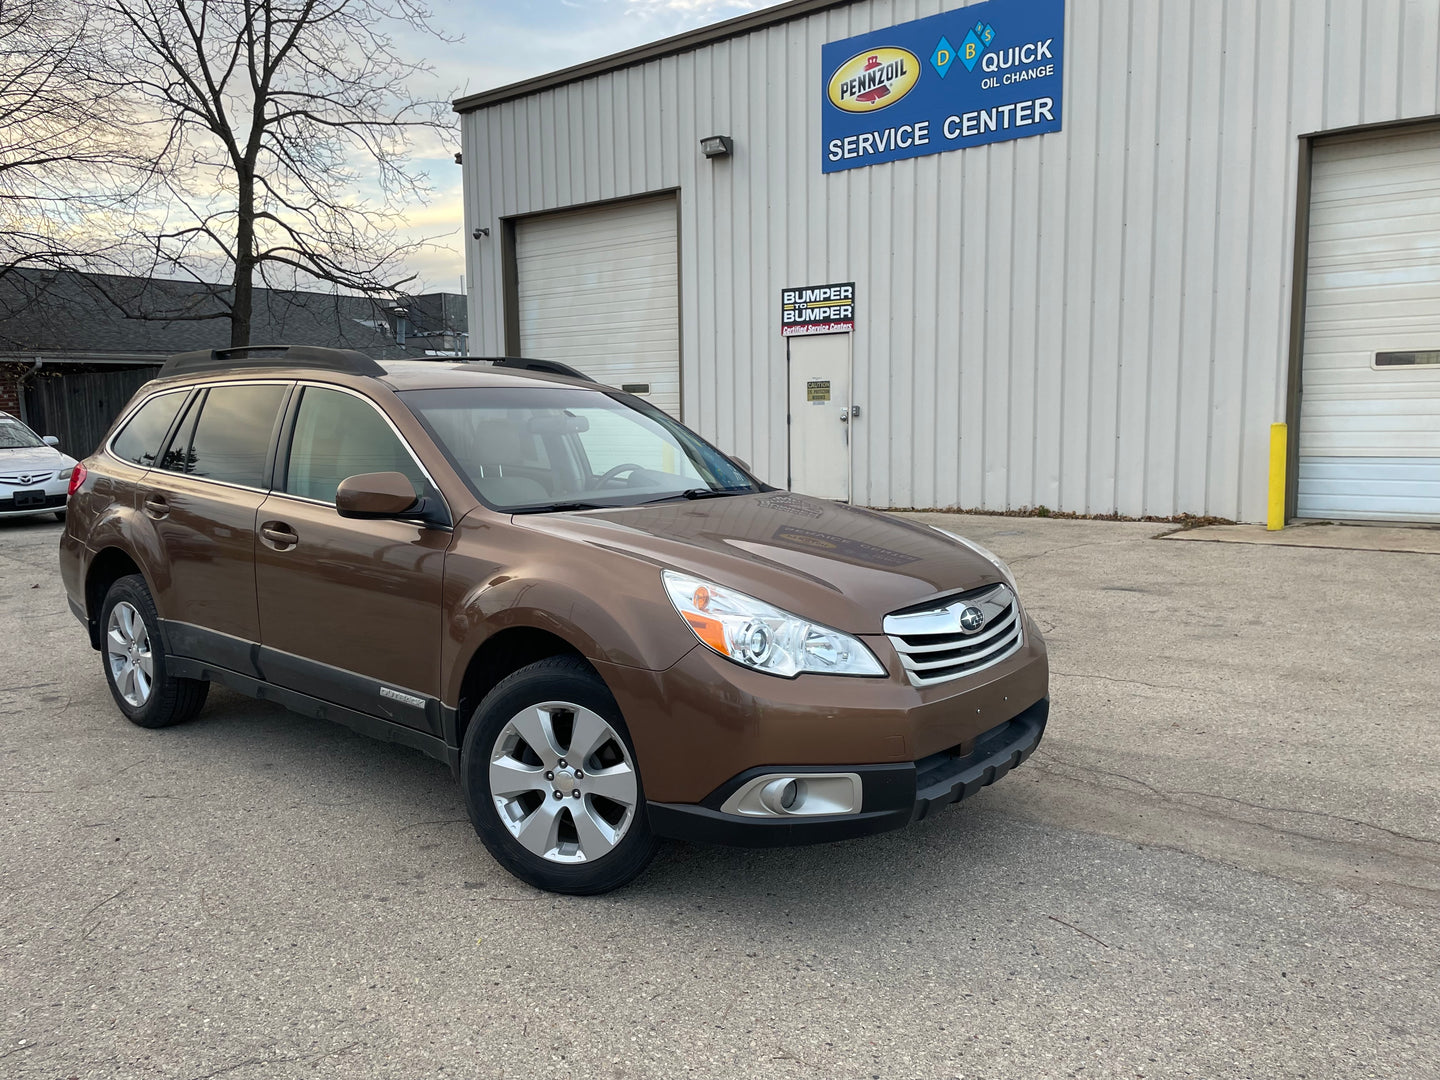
250	356
549	367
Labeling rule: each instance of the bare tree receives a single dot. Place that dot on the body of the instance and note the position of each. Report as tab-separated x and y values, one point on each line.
72	160
288	126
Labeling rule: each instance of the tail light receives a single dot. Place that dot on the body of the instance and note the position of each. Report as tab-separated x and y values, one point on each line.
76	479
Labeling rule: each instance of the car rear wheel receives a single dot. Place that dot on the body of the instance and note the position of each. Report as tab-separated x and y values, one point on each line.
136	667
551	783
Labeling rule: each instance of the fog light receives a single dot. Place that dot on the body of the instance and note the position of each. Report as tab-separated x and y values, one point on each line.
778	796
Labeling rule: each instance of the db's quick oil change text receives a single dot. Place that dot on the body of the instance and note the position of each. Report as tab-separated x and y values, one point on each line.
985	73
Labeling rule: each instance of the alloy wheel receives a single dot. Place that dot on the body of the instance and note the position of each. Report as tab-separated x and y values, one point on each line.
127	649
563	782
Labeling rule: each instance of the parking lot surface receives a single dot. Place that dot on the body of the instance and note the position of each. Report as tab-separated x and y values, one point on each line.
1223	862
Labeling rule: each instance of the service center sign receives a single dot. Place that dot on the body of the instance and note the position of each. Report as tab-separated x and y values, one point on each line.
980	74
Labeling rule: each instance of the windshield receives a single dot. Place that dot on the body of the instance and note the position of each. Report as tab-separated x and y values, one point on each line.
16	436
530	450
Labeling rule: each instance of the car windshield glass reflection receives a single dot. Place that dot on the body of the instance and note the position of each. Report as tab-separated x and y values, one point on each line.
560	448
16	436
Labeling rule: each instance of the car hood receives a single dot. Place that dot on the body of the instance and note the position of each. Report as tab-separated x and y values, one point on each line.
33	460
835	564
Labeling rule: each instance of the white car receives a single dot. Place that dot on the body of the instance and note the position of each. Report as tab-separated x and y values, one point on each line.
34	476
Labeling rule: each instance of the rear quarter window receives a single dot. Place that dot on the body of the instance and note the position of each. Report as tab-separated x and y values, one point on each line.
139	440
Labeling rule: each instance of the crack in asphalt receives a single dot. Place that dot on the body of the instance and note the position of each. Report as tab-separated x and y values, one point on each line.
96	924
275	1059
1127	682
1071	547
1173	797
1312	813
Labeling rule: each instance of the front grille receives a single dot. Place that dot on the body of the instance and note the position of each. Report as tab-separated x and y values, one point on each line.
935	646
26	479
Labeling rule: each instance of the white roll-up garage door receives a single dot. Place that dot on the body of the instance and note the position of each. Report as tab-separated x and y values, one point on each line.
599	290
1370	404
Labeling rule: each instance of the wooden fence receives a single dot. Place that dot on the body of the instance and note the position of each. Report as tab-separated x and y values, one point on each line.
80	407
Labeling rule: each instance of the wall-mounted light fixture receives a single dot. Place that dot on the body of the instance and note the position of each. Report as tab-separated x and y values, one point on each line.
713	146
480	231
458	160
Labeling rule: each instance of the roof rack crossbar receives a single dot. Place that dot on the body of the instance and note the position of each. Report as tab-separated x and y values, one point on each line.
253	356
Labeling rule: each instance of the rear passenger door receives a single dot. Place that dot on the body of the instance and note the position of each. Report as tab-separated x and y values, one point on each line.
201	498
349	609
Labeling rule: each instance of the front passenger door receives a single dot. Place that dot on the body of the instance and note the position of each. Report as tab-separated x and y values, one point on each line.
349	609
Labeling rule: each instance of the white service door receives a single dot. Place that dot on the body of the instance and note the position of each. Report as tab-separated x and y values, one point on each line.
1370	431
820	419
600	290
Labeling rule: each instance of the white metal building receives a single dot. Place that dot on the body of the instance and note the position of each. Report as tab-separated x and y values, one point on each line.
1231	217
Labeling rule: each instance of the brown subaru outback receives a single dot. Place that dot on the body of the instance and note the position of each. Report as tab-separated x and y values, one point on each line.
611	631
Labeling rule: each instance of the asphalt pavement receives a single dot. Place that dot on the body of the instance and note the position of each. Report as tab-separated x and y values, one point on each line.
1223	862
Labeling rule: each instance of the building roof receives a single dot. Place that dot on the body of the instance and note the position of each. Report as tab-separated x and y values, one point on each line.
690	40
80	316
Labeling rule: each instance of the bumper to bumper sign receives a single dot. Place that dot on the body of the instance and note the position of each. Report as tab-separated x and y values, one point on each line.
895	795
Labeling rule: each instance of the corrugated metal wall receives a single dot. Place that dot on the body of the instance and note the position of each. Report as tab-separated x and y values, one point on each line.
1095	320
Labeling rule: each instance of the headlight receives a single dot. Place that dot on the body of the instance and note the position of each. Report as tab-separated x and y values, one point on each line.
762	637
984	553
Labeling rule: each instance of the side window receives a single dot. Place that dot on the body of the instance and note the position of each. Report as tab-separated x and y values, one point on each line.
177	456
338	435
139	440
232	434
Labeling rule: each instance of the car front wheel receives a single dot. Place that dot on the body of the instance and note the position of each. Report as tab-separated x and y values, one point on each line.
551	783
135	661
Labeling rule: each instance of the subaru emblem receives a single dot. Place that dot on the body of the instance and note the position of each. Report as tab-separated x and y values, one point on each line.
971	619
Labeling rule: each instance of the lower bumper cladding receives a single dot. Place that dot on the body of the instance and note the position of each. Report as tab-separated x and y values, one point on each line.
894	795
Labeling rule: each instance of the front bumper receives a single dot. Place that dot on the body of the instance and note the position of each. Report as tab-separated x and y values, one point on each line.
894	795
705	720
40	500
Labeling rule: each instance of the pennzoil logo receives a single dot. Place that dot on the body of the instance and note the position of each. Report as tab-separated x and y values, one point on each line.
874	79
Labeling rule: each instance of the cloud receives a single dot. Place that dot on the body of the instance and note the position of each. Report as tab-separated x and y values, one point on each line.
506	42
716	9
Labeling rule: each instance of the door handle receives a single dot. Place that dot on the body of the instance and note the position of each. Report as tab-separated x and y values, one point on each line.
278	535
156	506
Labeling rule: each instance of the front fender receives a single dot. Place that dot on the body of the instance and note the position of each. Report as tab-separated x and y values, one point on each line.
633	626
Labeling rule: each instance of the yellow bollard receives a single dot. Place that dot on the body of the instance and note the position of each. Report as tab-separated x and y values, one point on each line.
1276	517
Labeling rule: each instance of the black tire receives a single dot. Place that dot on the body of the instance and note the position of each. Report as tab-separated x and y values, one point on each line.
59	515
170	700
557	679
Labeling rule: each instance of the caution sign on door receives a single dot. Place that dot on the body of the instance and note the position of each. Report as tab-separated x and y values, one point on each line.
817	391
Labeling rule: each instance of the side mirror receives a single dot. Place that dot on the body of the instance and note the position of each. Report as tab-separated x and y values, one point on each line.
375	495
50	440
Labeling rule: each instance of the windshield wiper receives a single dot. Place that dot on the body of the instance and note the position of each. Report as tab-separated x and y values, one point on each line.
703	493
560	507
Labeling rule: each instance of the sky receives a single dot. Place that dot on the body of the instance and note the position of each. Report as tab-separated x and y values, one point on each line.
503	43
